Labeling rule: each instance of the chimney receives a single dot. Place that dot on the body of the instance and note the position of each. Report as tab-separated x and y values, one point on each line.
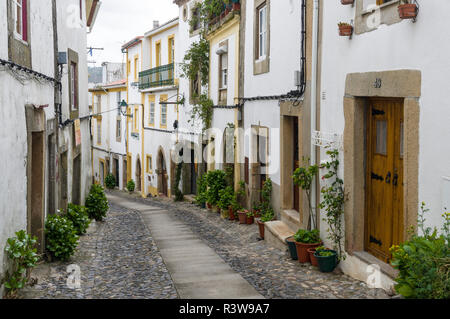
155	24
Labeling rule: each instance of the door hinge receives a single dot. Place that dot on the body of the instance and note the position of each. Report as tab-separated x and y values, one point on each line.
377	177
378	112
375	241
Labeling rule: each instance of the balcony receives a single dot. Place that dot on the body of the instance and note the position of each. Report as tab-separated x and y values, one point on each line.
160	76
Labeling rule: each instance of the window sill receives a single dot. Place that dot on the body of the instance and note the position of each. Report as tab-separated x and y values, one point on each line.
384	5
19	38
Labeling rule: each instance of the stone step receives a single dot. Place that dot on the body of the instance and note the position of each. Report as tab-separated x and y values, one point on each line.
292	219
276	233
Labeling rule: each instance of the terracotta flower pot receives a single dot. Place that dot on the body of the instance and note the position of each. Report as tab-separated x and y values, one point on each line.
231	214
407	11
242	217
302	251
236	6
345	2
345	30
209	205
311	252
250	220
261	228
257	214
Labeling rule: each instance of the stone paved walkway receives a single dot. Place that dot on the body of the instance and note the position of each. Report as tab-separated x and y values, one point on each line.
272	272
118	258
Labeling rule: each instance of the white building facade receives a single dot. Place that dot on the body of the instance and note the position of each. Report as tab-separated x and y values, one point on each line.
43	97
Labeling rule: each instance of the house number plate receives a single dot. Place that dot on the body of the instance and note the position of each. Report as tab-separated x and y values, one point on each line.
377	83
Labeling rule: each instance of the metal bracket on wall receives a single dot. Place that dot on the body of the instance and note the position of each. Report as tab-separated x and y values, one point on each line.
325	139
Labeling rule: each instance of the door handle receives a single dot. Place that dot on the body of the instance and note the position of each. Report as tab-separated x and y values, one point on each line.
388	178
395	180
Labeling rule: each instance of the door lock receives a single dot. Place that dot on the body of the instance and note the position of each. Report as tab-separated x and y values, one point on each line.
395	180
388	178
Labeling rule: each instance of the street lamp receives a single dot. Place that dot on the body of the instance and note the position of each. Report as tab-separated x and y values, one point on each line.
123	105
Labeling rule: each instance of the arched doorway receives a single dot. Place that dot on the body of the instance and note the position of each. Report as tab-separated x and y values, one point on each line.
162	173
138	175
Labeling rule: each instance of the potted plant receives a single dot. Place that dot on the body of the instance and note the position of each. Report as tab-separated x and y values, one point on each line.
257	211
345	29
265	208
226	199
216	182
268	216
345	2
326	259
236	5
312	257
407	10
243	216
304	240
290	241
250	218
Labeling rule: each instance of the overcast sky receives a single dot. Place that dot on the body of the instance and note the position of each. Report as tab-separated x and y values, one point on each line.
119	21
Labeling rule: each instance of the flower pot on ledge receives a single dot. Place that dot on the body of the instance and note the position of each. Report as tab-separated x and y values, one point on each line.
407	11
345	30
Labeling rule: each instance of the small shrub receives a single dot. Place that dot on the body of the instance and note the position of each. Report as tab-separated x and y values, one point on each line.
22	252
226	198
61	237
79	217
424	262
110	181
307	236
202	187
96	203
216	182
131	185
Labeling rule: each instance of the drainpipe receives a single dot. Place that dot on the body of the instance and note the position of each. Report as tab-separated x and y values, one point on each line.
315	36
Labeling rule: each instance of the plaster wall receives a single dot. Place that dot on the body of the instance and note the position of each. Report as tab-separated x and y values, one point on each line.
402	45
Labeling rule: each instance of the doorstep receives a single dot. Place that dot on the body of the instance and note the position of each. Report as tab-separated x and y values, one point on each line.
385	268
276	233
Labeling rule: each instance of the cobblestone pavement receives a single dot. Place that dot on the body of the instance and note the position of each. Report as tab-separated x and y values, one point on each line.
117	258
272	272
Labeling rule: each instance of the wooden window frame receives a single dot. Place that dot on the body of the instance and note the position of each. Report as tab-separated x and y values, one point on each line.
136	68
161	106
73	95
119	129
151	120
261	64
99	131
149	168
20	8
136	119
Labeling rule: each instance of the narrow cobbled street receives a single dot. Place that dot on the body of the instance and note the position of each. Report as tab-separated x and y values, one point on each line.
158	249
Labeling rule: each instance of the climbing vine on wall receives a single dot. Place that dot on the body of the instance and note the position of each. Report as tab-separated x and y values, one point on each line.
333	201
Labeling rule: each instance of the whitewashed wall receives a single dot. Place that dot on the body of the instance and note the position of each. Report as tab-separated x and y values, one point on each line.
420	46
13	131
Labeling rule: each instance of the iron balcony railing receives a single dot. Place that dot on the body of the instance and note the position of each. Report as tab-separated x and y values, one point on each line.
160	76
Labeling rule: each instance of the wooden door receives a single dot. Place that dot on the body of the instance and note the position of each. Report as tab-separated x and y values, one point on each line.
384	192
296	164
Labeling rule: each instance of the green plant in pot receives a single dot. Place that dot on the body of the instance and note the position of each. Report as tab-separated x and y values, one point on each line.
226	200
110	181
131	185
304	240
326	259
216	182
250	217
243	216
265	208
